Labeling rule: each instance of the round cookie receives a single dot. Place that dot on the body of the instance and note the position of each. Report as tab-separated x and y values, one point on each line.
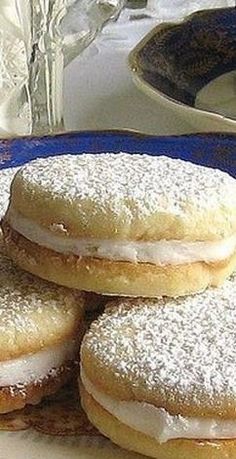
158	376
120	224
41	326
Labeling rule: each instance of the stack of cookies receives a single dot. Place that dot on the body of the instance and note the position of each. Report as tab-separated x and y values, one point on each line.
158	367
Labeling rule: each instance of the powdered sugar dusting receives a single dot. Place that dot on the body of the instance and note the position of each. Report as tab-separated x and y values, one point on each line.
131	186
6	176
185	346
25	300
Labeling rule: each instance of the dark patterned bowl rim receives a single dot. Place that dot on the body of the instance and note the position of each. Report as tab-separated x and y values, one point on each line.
138	73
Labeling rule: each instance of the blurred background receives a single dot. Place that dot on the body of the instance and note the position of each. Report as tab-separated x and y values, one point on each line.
99	90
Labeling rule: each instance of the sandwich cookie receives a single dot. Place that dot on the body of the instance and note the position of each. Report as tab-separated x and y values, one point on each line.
159	376
41	327
120	224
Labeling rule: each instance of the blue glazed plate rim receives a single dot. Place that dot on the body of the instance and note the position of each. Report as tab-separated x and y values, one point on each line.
126	131
137	72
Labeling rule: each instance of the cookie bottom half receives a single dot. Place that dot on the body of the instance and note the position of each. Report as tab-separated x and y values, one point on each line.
130	439
114	277
18	396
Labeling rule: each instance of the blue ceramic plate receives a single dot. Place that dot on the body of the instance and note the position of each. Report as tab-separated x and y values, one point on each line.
215	150
177	62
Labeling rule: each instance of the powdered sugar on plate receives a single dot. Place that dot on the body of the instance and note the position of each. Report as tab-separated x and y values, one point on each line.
6	176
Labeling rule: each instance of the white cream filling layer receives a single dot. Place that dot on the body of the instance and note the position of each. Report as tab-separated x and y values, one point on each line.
157	422
159	252
34	367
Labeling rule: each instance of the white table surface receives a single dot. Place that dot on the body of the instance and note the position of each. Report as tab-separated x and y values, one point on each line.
100	93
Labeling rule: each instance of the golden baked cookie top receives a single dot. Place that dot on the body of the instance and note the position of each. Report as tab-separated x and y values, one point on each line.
178	354
129	197
34	314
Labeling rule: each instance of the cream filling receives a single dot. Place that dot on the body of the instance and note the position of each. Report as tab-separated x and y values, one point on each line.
159	252
34	367
157	422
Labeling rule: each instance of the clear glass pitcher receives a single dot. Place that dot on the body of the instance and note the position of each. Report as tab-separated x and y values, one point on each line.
37	39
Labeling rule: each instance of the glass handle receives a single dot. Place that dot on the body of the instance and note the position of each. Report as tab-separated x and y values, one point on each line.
84	20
